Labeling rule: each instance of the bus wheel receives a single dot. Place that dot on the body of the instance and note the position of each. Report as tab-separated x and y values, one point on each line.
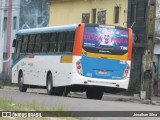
94	93
49	84
22	87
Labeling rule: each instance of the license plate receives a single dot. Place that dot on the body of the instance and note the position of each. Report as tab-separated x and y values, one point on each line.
102	72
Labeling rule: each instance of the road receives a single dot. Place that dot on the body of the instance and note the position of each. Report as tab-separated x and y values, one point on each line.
74	103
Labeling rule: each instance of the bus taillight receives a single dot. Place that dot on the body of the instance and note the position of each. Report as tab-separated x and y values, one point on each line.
126	71
79	67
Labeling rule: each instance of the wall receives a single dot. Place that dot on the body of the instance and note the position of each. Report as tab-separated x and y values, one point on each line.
29	14
70	11
33	13
3	30
156	50
157	20
2	4
139	27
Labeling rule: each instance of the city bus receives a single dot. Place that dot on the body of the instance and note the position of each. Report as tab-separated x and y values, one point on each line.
78	57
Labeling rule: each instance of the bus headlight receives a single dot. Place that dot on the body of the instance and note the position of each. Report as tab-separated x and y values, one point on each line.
79	67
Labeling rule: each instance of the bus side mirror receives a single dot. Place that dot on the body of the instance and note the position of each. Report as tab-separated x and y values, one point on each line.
14	43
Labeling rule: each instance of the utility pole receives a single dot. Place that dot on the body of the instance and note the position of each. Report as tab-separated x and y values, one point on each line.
9	30
147	58
152	24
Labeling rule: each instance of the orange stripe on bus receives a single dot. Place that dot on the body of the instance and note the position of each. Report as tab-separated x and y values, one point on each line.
130	44
30	57
78	40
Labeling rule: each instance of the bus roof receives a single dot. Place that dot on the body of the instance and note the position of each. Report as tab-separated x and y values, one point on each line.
70	27
48	29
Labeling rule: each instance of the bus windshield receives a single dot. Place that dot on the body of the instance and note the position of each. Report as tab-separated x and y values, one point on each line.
105	40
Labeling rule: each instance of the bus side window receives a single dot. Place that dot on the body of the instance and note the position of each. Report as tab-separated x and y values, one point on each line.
24	44
45	38
69	42
53	42
18	46
61	41
37	47
18	41
31	43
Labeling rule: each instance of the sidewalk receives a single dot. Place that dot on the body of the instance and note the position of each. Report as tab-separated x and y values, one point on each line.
134	99
157	99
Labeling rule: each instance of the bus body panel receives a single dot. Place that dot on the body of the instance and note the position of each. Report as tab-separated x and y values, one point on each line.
78	79
64	67
35	71
103	68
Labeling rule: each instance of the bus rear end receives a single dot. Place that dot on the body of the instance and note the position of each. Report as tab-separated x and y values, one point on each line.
102	56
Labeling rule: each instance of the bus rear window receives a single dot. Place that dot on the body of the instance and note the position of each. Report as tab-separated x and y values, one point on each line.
105	40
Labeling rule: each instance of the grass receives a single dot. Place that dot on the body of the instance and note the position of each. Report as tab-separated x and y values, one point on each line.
57	108
10	105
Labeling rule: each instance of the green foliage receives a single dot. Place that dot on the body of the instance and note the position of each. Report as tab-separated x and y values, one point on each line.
36	107
1	84
57	108
9	105
4	83
134	87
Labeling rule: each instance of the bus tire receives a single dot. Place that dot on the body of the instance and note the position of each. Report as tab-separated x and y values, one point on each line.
22	87
49	84
94	93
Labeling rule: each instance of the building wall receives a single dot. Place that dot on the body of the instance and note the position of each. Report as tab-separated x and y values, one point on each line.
4	29
70	11
2	4
137	19
33	13
30	13
156	49
157	21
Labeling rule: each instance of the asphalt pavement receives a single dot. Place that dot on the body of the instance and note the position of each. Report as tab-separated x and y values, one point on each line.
78	102
107	96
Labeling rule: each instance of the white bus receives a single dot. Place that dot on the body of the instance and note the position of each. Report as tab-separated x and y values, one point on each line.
73	58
